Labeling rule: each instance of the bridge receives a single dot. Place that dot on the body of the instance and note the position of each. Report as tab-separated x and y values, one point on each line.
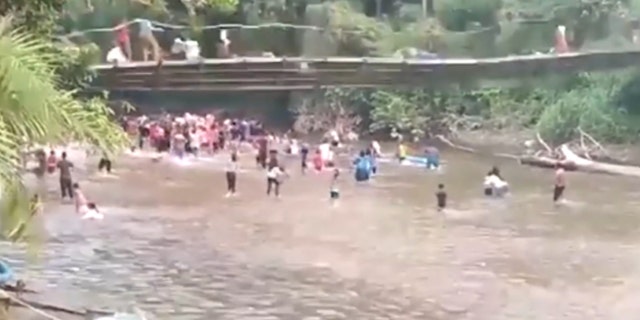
273	74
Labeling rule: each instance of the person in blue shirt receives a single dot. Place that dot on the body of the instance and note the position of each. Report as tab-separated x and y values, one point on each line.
433	158
373	163
363	167
6	275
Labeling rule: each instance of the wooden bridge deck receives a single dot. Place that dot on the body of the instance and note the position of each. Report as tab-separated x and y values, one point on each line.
261	73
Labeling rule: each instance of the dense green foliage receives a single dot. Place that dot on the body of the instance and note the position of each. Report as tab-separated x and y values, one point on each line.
38	104
600	104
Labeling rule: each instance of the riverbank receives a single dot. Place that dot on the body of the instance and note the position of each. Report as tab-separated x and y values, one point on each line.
515	142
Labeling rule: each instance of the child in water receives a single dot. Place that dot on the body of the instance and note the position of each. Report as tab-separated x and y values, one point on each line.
362	167
402	152
304	154
334	193
92	212
232	175
441	197
89	210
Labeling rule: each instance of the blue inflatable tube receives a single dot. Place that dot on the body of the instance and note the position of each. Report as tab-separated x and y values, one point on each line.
6	275
416	160
433	162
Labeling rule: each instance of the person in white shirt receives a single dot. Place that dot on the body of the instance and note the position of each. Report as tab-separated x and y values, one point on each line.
274	175
116	56
294	147
494	185
352	136
190	48
377	150
325	150
335	138
232	175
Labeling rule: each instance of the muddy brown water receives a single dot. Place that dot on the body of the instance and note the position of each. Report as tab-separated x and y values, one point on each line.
172	245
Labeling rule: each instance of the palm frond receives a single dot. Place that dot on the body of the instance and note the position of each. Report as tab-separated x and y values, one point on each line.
35	109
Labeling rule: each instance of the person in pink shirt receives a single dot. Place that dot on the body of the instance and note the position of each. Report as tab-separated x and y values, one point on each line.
79	199
157	136
561	44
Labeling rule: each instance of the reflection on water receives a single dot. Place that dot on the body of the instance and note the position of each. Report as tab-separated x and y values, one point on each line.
172	245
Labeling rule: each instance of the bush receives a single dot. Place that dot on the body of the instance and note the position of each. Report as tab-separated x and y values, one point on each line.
460	15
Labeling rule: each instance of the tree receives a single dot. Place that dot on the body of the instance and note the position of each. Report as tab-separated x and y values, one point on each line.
39	16
331	109
34	108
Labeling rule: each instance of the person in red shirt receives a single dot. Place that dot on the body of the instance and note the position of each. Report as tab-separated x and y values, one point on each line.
318	163
561	44
122	38
212	132
262	145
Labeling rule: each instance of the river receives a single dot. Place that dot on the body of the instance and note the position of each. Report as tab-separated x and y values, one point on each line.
172	245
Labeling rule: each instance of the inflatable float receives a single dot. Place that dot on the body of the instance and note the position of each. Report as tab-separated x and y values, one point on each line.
6	274
417	161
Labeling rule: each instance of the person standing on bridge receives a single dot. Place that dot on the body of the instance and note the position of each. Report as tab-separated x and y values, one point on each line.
122	38
149	43
561	44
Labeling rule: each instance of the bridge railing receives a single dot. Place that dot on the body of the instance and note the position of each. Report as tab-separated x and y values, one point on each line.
273	73
600	58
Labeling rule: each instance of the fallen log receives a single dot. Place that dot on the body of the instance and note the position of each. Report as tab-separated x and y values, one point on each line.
19	287
570	162
546	162
587	165
535	160
544	144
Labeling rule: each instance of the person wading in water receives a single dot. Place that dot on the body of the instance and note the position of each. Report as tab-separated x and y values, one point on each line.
52	162
261	158
231	173
559	183
65	166
273	180
104	163
334	192
274	174
304	154
441	197
40	170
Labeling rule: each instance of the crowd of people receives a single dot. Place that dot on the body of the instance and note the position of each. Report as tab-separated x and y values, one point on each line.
191	136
